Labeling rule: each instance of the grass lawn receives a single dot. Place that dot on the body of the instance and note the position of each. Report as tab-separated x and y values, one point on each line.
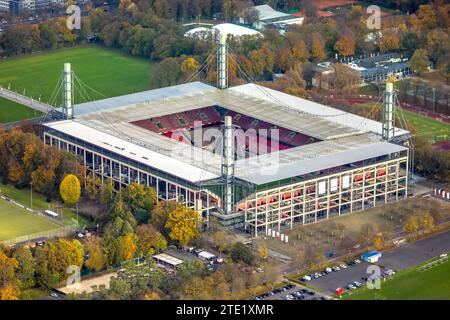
411	285
11	111
108	71
39	203
17	222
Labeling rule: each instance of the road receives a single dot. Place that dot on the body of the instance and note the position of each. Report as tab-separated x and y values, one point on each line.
24	100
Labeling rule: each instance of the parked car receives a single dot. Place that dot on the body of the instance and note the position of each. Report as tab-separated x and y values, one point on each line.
328	270
306	278
343	266
357	284
357	261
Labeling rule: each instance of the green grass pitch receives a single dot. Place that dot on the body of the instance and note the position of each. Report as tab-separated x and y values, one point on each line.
110	72
411	285
427	127
17	222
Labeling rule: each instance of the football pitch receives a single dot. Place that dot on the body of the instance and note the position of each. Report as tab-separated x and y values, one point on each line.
109	72
425	126
18	222
411	284
433	129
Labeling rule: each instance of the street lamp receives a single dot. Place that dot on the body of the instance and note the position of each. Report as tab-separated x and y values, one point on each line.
31	194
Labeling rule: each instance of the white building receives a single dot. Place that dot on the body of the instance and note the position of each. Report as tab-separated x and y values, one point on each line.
5	5
18	6
269	16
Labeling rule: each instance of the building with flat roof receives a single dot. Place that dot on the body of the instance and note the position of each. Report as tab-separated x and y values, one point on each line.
267	16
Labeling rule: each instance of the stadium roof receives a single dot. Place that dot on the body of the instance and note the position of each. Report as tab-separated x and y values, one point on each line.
267	170
224	29
132	151
344	136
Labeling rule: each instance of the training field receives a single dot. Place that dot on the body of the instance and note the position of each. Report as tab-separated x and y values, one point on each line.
428	127
109	72
434	129
411	285
17	222
11	111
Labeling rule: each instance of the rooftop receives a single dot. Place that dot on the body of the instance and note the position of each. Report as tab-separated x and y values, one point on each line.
270	15
224	29
344	137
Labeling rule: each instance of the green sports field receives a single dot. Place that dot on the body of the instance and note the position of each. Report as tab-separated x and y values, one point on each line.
17	222
110	72
427	127
411	285
434	129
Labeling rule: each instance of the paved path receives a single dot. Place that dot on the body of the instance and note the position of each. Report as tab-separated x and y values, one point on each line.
24	100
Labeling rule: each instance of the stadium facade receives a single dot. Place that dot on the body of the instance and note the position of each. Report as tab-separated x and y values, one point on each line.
253	157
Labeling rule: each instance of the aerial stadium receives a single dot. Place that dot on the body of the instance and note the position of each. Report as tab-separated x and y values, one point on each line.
251	157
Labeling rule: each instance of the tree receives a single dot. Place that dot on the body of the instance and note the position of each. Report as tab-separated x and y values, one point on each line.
53	260
189	66
8	266
263	251
195	289
149	240
241	252
9	292
141	200
26	266
250	15
160	214
129	246
427	15
345	45
97	259
427	221
93	186
184	224
318	48
152	296
378	240
411	224
220	238
70	189
438	44
419	61
389	41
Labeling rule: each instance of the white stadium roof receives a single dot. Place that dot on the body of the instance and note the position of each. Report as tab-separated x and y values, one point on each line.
224	29
345	137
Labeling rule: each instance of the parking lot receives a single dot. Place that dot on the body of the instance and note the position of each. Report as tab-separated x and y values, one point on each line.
329	282
404	256
291	292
